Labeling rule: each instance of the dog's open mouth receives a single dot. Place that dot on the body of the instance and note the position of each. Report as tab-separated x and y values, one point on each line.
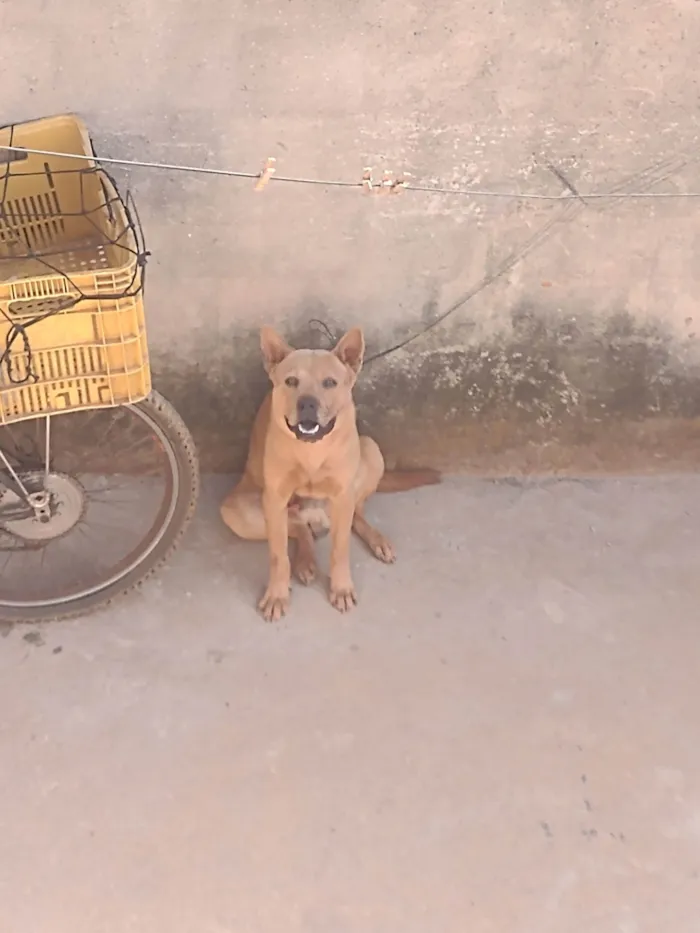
311	430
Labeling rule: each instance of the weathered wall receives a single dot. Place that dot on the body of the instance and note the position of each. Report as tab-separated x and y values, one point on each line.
573	340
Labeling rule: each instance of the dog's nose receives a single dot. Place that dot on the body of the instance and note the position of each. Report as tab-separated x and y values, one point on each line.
307	408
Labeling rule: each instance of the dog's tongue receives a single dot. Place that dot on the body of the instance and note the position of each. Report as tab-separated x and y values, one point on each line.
309	427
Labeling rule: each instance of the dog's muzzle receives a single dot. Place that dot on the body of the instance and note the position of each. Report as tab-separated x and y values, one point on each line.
311	430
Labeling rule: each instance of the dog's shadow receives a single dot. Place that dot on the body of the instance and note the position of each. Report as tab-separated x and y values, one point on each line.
240	565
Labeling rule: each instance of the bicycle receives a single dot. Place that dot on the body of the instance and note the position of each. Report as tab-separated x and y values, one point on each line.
99	475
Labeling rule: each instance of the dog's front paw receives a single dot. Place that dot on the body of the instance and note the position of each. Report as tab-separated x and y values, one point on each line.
343	598
274	603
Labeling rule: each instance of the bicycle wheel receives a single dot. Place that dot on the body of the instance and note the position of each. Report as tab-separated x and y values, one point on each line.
119	487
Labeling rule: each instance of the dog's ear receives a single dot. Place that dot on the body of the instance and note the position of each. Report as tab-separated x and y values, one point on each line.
350	349
274	348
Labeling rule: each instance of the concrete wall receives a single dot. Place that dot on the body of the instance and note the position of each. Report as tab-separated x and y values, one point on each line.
582	354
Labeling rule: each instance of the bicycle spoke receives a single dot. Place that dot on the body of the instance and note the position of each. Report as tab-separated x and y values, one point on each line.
109	503
47	447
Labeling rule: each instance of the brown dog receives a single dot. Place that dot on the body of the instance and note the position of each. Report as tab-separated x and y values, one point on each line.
308	470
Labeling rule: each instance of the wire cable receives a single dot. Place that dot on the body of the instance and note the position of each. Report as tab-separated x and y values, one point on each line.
331	183
572	201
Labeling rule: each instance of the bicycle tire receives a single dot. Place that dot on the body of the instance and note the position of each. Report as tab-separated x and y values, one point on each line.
178	436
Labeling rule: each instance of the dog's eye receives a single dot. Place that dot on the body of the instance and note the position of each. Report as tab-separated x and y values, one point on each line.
329	383
291	381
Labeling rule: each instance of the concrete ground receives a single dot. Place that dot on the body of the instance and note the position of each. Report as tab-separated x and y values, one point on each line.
503	738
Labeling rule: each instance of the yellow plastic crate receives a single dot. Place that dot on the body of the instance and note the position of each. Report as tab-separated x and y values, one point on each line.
71	279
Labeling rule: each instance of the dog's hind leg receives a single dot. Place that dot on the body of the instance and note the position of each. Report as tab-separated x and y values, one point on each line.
304	558
242	511
369	474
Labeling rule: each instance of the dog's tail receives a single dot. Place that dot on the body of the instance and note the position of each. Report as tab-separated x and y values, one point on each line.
410	479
